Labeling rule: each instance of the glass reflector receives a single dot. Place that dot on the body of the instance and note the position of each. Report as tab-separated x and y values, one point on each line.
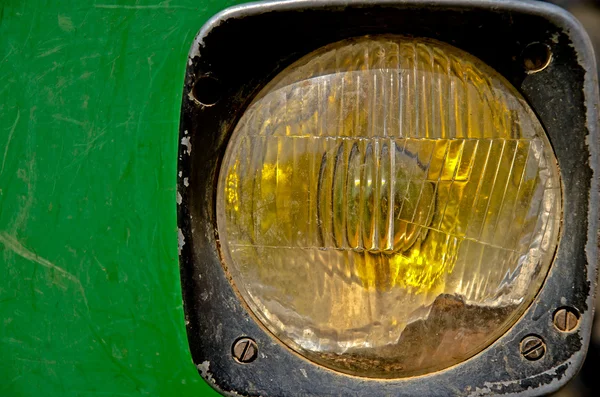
388	206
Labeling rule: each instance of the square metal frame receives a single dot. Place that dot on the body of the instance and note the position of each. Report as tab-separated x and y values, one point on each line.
245	46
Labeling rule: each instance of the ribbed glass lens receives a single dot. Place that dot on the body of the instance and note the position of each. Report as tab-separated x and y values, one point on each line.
388	206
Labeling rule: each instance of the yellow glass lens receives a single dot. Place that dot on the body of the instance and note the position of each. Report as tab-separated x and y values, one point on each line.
388	206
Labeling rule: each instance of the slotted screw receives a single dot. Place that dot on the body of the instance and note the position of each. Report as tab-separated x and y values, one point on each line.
533	347
566	319
245	350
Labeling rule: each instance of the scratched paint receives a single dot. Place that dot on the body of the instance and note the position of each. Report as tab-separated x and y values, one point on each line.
90	299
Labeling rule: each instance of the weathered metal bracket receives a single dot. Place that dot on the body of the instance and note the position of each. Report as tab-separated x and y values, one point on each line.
242	48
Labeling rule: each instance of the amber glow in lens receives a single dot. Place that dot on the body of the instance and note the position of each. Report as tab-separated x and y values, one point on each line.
388	206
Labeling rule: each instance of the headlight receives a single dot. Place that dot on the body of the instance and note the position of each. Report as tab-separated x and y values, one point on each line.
389	198
374	186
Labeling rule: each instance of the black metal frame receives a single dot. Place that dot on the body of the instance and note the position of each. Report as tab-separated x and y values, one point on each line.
245	46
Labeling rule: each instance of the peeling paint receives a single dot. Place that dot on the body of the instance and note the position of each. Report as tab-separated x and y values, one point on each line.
541	380
191	97
204	368
204	372
185	141
179	198
181	240
186	182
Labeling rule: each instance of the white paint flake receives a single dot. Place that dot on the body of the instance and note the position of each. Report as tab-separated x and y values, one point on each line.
185	141
181	240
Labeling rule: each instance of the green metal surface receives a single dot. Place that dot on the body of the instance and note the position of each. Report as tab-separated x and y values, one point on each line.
90	298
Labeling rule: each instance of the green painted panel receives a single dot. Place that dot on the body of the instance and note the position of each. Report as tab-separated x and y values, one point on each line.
90	299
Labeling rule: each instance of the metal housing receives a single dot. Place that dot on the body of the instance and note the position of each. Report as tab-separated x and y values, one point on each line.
245	46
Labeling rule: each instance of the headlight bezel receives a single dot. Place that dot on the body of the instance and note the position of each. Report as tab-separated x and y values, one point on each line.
245	46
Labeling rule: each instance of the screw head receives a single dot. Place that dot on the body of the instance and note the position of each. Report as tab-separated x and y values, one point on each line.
533	347
244	350
566	319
